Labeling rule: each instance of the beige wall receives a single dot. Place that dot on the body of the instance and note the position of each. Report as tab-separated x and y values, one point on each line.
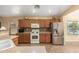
6	21
73	16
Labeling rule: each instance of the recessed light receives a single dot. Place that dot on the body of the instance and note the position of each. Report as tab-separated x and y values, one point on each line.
50	11
16	10
34	10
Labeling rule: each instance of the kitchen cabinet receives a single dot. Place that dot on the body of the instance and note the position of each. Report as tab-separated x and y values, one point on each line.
45	38
24	23
42	38
27	23
48	38
15	40
24	38
46	23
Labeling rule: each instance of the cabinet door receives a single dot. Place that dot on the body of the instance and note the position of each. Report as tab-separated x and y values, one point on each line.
46	23
27	37
24	38
41	23
24	23
21	37
48	38
42	38
28	24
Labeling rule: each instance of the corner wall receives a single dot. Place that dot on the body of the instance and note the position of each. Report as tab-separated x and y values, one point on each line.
6	21
73	16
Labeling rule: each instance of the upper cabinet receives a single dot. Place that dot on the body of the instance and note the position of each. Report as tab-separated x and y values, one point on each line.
42	22
24	23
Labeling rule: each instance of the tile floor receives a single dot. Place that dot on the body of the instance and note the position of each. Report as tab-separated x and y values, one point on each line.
45	48
26	49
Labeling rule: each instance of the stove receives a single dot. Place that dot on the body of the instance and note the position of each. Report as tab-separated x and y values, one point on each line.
35	33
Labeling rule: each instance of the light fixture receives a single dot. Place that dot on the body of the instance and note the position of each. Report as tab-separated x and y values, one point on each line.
15	10
50	11
34	10
37	6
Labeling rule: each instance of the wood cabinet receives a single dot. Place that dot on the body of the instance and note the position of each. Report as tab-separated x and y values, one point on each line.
42	38
45	38
27	23
42	23
15	40
24	23
46	23
48	37
24	38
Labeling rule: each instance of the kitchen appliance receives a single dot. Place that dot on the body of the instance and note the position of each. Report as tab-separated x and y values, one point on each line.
57	33
35	33
21	30
13	29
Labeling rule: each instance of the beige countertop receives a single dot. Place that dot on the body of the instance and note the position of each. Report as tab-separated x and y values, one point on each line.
40	32
45	32
5	35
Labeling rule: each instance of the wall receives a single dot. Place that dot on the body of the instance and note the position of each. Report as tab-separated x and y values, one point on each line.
6	21
73	16
71	9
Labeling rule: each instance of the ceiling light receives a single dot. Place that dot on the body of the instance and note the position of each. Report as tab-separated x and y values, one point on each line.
50	11
37	6
16	10
34	10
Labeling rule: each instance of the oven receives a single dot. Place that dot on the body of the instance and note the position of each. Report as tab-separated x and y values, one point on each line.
35	33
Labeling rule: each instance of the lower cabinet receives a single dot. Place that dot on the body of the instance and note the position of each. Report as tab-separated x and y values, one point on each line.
15	40
48	38
42	38
45	37
24	38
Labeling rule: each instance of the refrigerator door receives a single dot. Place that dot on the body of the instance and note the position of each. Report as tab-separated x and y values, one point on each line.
57	33
13	30
58	40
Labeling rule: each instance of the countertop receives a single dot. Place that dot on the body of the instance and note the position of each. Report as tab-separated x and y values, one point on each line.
40	32
45	32
5	35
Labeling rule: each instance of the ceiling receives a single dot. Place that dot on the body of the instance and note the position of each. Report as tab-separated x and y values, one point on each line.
28	10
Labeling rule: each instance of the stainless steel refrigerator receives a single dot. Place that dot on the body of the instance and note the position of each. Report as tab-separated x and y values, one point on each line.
13	30
57	33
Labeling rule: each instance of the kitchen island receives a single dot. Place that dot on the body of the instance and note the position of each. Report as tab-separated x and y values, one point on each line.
5	35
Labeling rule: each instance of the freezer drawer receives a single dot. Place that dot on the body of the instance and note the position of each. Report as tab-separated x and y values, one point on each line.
57	40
